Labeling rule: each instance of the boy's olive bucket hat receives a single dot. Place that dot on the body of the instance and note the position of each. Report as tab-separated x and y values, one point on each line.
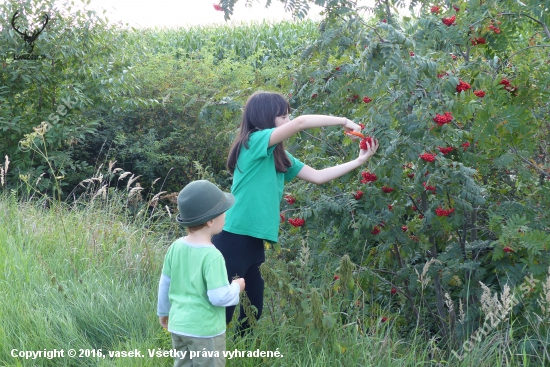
201	201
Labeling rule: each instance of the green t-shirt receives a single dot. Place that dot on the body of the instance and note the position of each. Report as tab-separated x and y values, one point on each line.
194	270
258	189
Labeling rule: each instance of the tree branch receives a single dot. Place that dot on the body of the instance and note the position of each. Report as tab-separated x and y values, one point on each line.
541	171
406	281
333	148
523	49
416	206
406	294
373	28
520	14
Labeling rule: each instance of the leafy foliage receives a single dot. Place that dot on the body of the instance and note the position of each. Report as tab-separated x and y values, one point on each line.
78	62
495	178
196	108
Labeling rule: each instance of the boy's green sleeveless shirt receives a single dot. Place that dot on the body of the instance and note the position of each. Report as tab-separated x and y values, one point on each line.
258	189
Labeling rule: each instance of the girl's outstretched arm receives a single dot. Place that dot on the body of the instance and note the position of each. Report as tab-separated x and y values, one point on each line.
321	176
292	127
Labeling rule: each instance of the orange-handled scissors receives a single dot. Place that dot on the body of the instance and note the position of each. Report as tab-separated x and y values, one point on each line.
355	133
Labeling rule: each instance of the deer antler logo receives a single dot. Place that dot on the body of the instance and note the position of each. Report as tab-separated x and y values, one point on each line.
29	38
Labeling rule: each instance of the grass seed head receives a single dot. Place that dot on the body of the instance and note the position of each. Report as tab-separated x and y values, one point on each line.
346	270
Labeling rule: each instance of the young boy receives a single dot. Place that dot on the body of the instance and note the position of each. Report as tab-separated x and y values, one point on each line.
194	289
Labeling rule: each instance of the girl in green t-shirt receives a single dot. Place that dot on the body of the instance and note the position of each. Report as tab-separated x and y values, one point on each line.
260	166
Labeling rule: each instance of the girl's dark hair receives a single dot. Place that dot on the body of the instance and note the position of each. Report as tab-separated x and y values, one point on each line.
259	113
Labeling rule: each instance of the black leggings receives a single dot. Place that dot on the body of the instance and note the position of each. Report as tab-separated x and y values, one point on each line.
243	256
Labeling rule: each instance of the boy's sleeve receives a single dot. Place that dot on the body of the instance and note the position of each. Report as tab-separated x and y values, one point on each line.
163	308
225	296
215	274
166	267
219	291
294	169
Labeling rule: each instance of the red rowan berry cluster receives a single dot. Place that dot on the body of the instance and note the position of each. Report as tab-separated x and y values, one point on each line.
387	189
465	145
435	9
375	230
363	143
479	93
508	249
462	86
290	199
368	177
443	119
428	157
429	188
367	99
296	222
358	195
507	85
446	150
217	7
493	28
444	212
449	21
478	41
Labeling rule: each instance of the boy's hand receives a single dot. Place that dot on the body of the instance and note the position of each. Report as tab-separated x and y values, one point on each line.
240	282
364	155
163	321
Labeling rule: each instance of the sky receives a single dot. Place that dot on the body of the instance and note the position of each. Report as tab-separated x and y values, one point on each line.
185	13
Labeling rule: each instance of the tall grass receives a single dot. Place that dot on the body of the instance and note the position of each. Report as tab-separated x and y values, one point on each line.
284	39
89	281
85	282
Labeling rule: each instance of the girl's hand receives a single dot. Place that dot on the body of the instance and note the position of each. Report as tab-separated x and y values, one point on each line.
351	126
365	155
